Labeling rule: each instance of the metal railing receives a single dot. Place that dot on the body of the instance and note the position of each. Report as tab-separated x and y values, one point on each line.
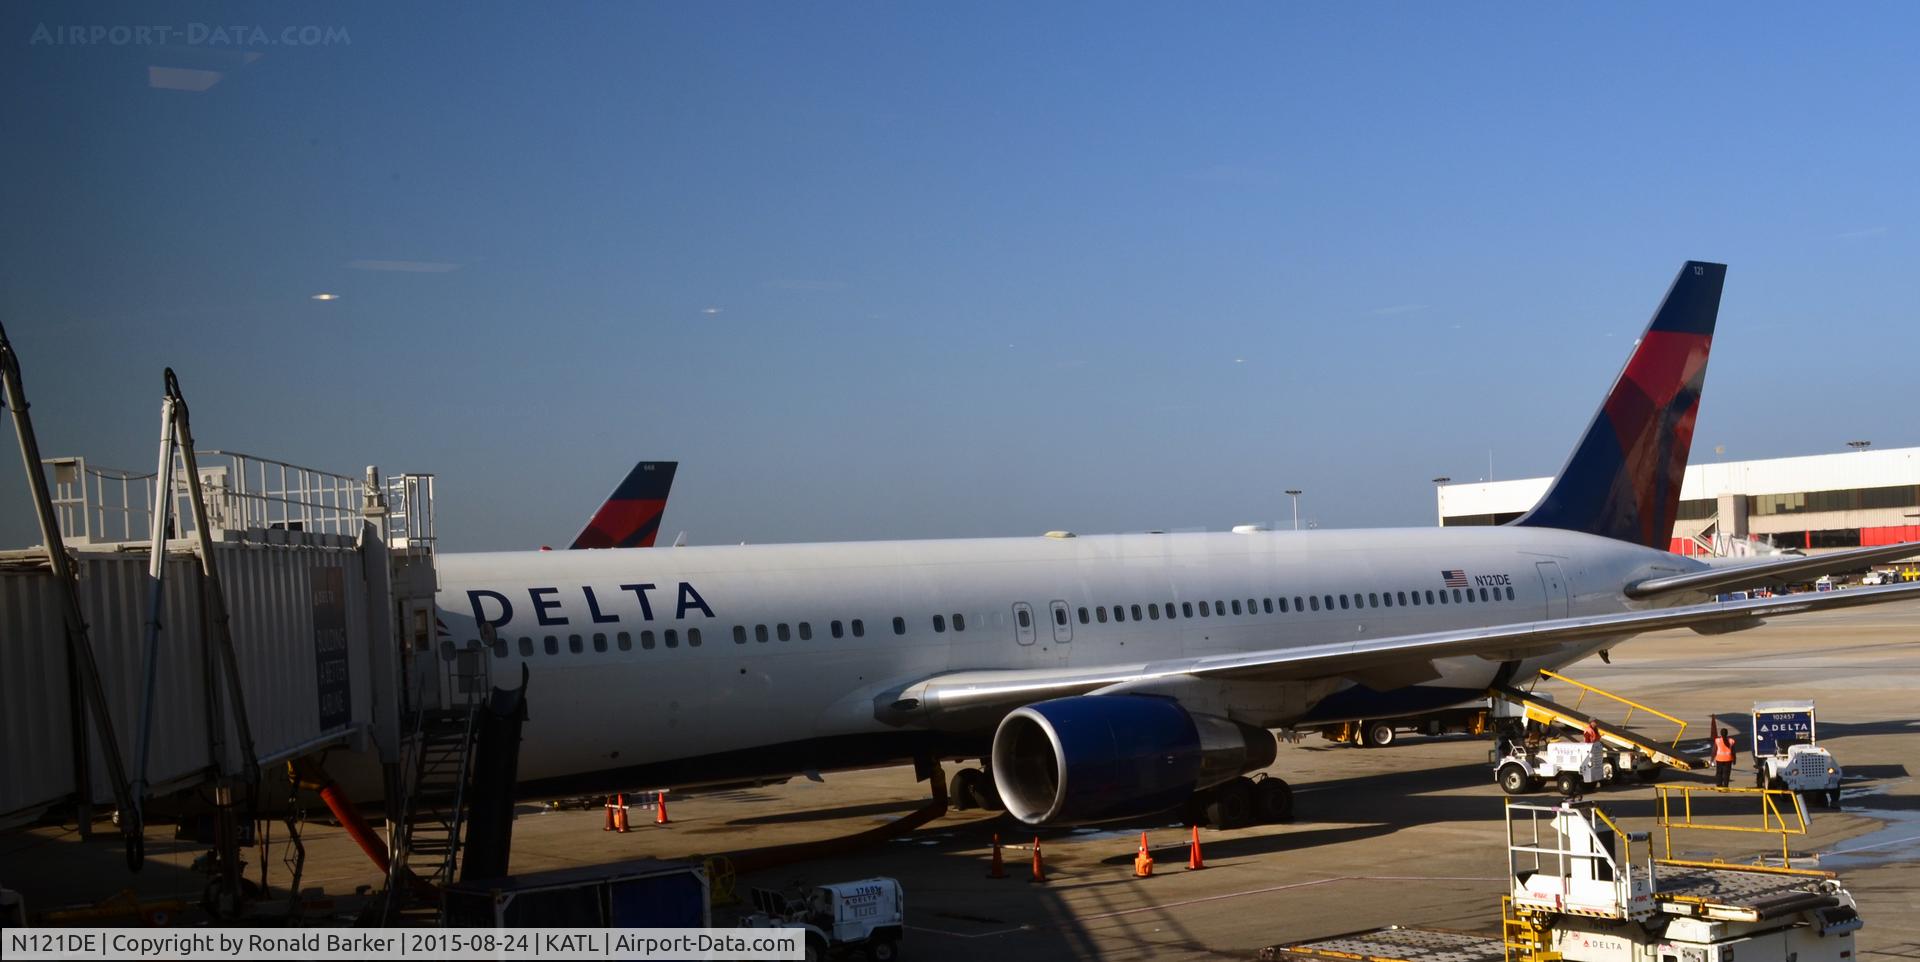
99	505
410	525
1773	821
1632	706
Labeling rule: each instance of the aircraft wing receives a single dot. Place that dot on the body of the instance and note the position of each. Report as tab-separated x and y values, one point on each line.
958	698
1772	571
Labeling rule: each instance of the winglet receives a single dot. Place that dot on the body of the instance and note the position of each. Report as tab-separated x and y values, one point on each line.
630	518
1623	479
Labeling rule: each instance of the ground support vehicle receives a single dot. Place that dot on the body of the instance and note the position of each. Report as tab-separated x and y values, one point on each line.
1787	754
868	916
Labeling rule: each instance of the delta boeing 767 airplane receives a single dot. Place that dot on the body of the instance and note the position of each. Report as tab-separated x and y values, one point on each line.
1112	676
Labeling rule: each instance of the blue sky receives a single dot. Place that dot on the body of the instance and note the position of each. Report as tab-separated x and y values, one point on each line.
911	270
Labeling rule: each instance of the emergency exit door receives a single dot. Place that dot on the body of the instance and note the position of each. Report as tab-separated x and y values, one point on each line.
1559	599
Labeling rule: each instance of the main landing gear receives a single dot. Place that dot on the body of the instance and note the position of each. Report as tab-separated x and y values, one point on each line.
1241	802
973	788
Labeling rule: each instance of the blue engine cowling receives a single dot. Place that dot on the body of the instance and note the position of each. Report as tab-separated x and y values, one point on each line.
1097	758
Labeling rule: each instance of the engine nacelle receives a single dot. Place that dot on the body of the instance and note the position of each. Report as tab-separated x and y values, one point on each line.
1096	758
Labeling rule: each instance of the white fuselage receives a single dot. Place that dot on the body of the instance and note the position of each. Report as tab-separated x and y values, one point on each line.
608	693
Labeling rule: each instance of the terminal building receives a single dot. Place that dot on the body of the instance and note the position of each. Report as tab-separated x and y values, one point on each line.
1817	503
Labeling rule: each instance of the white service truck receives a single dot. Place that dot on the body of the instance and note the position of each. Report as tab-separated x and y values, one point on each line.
1570	767
867	915
1787	753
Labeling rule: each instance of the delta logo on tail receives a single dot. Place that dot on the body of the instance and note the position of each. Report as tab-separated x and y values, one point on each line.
630	518
1623	480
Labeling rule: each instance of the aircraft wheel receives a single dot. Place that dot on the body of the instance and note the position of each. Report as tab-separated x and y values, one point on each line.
1274	800
963	790
1514	780
1232	805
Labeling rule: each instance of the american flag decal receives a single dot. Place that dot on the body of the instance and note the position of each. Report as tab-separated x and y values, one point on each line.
1454	578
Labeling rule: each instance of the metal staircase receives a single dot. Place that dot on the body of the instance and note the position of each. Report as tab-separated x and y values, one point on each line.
436	806
1544	710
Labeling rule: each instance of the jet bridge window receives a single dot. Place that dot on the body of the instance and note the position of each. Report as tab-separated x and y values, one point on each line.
526	647
859	628
783	632
552	645
1086	616
739	634
899	625
599	642
806	632
625	641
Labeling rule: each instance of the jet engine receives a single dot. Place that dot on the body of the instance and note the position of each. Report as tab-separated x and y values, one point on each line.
1096	758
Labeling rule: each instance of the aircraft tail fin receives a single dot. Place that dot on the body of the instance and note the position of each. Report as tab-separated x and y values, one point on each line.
1623	479
630	518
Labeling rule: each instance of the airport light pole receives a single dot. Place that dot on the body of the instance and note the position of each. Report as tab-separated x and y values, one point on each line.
1294	493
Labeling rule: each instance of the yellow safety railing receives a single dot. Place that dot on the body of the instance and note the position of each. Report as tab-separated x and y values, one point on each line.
1632	706
1773	821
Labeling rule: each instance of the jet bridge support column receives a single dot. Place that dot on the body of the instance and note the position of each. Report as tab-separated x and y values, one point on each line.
84	672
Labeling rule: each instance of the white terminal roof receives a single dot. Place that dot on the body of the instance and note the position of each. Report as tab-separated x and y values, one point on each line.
1819	472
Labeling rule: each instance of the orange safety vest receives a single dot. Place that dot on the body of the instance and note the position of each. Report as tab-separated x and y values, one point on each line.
1722	749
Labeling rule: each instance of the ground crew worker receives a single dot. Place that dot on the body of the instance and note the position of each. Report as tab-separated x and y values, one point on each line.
1592	734
1723	753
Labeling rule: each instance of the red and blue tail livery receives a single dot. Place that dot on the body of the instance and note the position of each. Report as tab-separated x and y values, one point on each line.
630	518
1623	480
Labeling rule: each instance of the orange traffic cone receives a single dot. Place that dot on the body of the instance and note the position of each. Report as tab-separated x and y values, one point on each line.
660	809
1143	861
1194	861
1039	867
608	827
620	814
996	868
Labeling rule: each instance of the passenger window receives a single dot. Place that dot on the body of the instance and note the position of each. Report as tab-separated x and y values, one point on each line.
599	642
499	648
739	634
899	625
1373	600
960	620
526	647
671	637
1456	596
1119	613
1236	606
1219	607
553	645
1509	592
782	632
693	637
1253	606
1026	620
574	644
806	632
1343	602
837	628
1153	612
1268	602
939	623
625	641
1283	605
1206	610
760	633
1136	612
1430	596
1329	600
1100	614
1315	600
1059	616
1085	615
1403	599
1443	596
1483	594
859	628
1186	609
646	639
1386	599
1171	613
1299	604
